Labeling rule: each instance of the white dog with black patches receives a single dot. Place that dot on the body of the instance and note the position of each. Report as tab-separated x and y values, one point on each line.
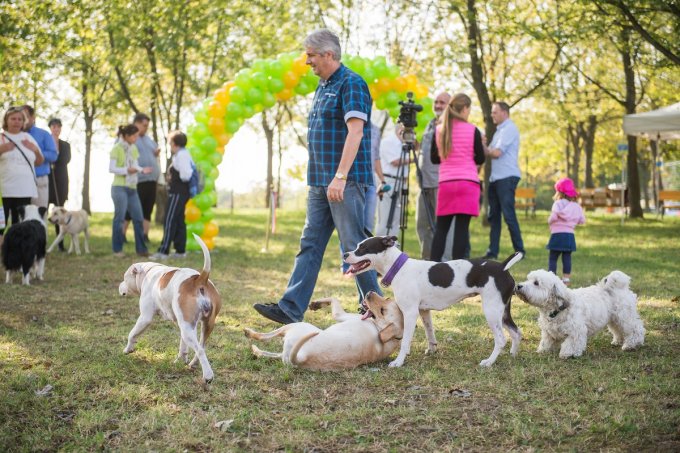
420	286
181	295
23	248
567	317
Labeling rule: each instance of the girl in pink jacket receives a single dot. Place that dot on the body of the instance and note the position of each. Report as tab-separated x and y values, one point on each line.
566	214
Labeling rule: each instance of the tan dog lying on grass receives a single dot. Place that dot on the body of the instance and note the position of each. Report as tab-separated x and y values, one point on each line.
181	295
72	223
355	339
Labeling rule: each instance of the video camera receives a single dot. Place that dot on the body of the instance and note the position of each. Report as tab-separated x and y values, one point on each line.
407	117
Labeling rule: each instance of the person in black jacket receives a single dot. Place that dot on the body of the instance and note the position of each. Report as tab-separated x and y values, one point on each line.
58	177
178	176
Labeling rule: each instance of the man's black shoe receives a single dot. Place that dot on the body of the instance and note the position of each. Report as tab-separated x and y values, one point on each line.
273	312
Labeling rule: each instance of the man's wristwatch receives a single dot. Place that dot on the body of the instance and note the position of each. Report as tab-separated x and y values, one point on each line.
341	176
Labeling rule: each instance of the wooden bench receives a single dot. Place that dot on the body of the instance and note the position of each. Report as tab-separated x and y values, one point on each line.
602	197
525	198
668	195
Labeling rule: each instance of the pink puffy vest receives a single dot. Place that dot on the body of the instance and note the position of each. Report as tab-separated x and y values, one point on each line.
460	164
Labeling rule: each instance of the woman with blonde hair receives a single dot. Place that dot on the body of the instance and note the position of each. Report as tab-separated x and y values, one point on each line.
460	152
19	155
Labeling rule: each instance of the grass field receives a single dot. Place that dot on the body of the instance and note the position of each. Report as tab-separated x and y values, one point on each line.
69	332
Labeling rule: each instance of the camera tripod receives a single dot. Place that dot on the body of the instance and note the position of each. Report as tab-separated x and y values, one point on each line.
400	191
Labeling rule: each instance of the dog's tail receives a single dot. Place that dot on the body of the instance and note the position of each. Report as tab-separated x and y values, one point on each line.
298	346
512	260
205	272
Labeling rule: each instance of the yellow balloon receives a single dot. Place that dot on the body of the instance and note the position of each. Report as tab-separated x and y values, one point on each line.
222	140
290	79
411	82
209	242
284	94
216	110
216	125
222	96
191	213
211	229
420	91
299	66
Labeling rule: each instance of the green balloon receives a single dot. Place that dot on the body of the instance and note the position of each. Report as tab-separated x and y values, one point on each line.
380	70
215	158
203	201
248	110
275	69
232	125
237	94
204	166
201	116
254	96
259	64
380	103
268	100
286	61
213	197
209	183
214	173
276	85
208	144
243	77
369	75
207	216
234	110
301	88
259	80
392	71
394	111
391	99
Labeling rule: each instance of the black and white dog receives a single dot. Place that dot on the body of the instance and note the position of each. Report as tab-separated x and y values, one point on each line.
420	286
23	249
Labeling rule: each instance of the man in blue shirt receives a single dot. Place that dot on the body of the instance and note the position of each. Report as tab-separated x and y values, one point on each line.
339	174
42	171
505	175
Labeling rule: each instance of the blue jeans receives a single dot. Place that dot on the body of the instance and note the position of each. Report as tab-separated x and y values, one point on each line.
369	219
125	200
322	218
502	200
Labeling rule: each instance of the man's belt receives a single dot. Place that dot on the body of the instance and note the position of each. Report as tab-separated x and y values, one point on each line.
392	176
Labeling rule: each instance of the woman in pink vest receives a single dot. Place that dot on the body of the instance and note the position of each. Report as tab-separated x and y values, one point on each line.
460	152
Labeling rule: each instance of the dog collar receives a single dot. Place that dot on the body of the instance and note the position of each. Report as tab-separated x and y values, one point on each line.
557	312
398	263
69	219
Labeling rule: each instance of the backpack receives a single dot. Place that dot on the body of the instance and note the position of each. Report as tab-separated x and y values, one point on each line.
196	182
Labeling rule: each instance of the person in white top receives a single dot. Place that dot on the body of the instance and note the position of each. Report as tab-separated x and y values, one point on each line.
19	155
179	176
394	169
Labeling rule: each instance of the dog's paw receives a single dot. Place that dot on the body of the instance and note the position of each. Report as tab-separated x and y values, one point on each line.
129	350
183	357
318	304
248	332
431	349
396	363
486	363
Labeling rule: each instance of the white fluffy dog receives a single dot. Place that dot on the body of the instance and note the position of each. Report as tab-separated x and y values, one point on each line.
571	316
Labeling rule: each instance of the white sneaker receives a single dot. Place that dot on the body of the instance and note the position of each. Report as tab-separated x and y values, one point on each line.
159	256
178	255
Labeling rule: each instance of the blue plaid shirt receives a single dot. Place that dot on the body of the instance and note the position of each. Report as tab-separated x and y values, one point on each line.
343	96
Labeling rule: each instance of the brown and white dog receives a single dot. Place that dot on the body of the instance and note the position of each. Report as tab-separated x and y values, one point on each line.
420	286
72	223
355	340
181	295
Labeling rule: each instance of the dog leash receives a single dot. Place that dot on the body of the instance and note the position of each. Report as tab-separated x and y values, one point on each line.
398	263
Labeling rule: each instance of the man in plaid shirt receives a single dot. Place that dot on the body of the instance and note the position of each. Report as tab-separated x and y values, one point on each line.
339	174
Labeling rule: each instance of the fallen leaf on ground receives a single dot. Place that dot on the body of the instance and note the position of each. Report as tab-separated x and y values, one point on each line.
460	393
224	425
45	391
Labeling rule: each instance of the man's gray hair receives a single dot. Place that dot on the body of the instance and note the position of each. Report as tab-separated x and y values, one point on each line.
324	40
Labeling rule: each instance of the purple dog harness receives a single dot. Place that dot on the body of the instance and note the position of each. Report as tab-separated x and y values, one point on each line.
396	266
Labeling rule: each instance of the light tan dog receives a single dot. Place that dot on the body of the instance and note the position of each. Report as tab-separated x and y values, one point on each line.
181	295
72	223
355	340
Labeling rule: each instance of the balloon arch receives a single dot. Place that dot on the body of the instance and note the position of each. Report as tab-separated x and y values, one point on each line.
260	87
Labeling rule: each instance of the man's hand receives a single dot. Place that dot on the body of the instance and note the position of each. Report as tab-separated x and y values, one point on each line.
336	190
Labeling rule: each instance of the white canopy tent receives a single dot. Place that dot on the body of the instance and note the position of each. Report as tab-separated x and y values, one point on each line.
659	124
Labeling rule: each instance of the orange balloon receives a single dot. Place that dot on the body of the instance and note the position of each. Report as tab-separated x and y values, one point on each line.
284	94
216	125
383	84
216	110
222	140
222	96
420	91
191	213
226	86
399	84
290	79
375	94
411	82
191	203
211	229
209	242
299	66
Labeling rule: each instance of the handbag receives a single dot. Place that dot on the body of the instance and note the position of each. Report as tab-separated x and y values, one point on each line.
434	152
25	158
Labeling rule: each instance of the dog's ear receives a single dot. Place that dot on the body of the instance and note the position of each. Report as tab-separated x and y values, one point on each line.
559	294
389	241
388	333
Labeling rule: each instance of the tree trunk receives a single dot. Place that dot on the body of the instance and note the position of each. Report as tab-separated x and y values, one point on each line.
269	135
88	115
632	161
589	148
